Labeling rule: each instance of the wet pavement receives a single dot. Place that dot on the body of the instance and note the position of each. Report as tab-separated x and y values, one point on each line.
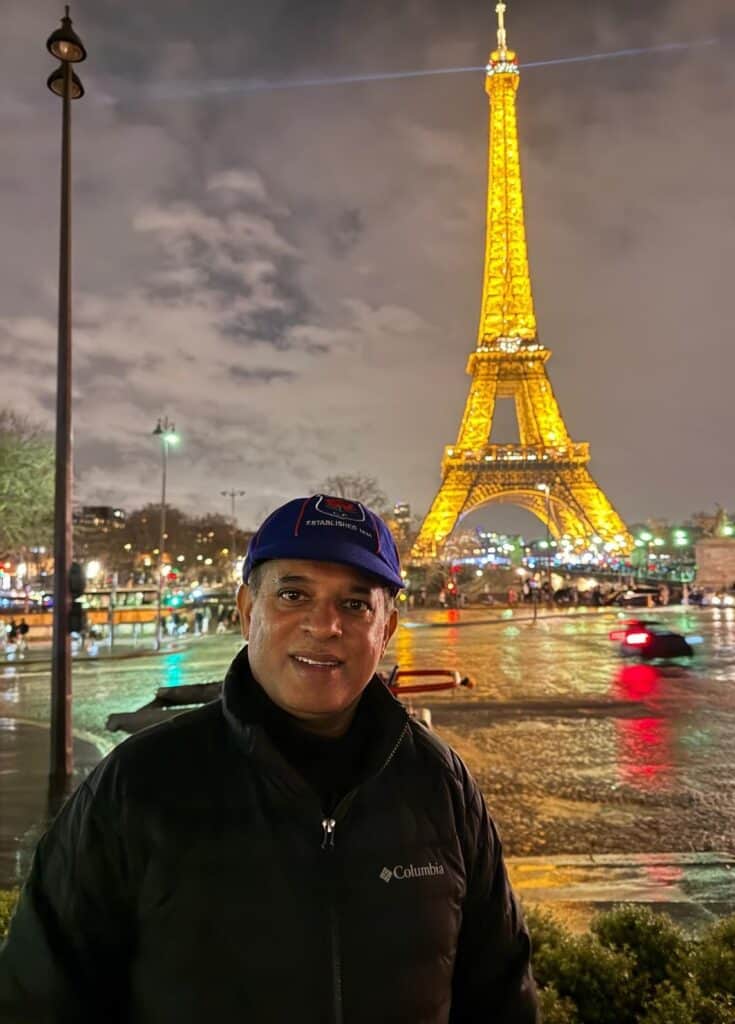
580	754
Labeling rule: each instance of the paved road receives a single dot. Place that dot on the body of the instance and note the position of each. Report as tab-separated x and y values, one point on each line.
577	752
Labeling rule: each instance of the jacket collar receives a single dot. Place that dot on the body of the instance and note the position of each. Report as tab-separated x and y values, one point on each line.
241	710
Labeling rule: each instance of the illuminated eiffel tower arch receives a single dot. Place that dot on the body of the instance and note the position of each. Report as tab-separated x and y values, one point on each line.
546	473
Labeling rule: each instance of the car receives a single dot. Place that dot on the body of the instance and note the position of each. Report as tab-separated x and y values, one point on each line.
648	639
639	597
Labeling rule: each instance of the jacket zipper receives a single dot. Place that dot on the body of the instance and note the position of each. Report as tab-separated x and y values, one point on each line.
329	826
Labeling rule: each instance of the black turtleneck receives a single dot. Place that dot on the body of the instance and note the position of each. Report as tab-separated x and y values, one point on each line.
332	766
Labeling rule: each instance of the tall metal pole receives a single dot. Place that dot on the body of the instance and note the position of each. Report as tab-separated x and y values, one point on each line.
548	538
232	545
232	494
113	601
162	534
62	752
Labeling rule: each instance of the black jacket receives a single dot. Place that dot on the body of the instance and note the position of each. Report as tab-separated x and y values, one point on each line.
195	879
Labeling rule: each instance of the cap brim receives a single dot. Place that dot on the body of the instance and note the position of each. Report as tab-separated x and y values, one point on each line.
342	553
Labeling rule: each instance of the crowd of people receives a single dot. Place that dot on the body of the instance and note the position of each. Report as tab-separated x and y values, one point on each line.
200	621
14	638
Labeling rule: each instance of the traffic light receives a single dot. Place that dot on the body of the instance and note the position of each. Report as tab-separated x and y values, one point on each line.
77	618
77	580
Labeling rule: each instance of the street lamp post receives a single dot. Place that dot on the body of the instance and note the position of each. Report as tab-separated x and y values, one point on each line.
167	433
546	488
65	45
232	495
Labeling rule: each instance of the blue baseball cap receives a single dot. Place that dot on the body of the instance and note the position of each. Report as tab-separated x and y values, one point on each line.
323	528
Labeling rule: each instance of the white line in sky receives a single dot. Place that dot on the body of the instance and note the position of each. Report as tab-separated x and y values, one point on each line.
243	86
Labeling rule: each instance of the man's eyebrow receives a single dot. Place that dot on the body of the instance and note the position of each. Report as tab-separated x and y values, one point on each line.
292	577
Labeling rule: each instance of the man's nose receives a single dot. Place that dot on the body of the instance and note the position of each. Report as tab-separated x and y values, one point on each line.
323	620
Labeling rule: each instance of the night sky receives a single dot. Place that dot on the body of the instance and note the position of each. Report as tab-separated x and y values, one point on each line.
293	275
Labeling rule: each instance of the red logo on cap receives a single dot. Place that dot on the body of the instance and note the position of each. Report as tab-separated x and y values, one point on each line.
341	508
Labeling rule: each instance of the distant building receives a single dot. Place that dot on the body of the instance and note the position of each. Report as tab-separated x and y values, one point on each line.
93	526
100	518
716	563
483	547
402	521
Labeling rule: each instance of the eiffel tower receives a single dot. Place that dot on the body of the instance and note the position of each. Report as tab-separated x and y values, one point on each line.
546	473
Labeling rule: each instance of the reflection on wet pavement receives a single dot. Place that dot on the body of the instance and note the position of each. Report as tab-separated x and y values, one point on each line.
692	888
577	751
580	752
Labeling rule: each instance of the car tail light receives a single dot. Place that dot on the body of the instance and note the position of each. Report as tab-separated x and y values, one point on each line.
638	639
618	635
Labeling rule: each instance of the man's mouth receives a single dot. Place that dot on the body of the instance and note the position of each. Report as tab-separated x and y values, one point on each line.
317	662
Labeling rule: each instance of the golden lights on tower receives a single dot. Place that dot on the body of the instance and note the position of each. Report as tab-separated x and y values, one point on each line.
509	361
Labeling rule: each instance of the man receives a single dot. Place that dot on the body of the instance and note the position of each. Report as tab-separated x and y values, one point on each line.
23	630
298	851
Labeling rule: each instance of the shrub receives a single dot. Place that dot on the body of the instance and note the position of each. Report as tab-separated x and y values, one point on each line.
8	899
598	980
546	932
635	967
714	1010
714	959
556	1009
660	949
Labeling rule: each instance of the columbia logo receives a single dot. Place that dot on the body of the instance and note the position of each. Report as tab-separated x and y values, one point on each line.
401	871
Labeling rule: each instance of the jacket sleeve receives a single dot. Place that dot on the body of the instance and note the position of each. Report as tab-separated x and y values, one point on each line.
67	949
492	977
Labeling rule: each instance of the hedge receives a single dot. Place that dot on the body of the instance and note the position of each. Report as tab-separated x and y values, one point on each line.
633	967
8	899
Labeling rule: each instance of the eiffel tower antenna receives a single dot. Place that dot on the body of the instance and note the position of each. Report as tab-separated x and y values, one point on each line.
546	473
500	10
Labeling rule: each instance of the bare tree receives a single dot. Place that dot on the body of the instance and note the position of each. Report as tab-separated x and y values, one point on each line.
364	489
26	483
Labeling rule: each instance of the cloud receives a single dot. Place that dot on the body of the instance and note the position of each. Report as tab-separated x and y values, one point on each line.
247	183
295	277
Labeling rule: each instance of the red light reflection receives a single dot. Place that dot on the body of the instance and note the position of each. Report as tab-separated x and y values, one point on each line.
637	682
644	744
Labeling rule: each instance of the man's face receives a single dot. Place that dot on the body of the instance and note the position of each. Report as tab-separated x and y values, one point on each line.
316	632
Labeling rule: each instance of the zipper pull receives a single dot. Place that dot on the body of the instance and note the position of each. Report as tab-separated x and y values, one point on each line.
328	827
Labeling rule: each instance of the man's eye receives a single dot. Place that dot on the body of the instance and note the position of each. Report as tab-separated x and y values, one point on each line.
289	596
354	604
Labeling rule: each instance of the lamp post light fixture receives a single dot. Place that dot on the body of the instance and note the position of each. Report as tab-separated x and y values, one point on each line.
166	432
66	46
232	494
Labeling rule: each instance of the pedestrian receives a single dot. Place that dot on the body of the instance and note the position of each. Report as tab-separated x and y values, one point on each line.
11	639
23	630
198	620
298	850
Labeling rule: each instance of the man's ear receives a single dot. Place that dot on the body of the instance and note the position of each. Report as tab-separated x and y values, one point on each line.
390	627
244	606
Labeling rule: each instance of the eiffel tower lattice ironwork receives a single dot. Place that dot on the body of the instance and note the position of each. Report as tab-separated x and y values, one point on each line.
546	473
